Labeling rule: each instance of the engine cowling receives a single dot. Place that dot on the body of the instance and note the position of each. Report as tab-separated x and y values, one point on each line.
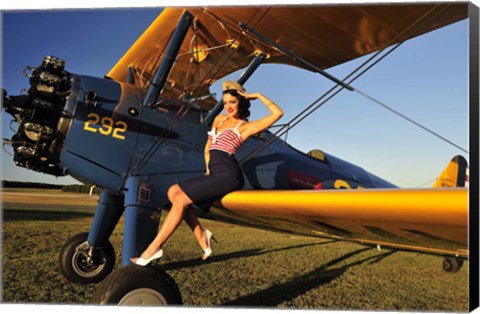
39	115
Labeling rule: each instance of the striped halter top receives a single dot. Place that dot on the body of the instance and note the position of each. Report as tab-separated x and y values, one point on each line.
228	140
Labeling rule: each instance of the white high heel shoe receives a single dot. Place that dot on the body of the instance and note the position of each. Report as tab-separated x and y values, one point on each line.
145	261
208	251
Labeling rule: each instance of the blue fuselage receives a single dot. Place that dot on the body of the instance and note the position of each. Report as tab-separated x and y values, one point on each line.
112	136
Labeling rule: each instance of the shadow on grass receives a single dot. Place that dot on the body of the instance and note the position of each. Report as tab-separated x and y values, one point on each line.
280	293
234	255
43	214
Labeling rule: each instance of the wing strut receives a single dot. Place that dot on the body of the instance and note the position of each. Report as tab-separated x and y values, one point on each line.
169	59
295	57
242	79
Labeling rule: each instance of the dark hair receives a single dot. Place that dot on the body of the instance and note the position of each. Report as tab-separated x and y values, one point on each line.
243	104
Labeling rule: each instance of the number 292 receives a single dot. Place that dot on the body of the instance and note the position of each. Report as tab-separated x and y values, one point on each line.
105	126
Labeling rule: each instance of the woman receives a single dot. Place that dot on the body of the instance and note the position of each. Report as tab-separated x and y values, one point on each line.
222	175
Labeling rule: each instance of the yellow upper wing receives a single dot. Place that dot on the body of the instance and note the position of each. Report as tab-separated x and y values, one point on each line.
324	35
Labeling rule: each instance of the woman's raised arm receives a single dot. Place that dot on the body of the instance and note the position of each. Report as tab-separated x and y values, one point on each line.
264	123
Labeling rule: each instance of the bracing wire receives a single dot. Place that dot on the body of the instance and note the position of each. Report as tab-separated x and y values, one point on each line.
150	76
429	182
161	138
410	120
305	113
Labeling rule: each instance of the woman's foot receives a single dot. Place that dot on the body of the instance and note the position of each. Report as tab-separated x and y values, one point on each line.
208	251
143	261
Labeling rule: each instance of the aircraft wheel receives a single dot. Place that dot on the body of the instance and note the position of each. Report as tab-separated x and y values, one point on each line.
81	263
452	264
137	285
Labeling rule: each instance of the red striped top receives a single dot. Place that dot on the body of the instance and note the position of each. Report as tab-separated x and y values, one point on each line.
228	140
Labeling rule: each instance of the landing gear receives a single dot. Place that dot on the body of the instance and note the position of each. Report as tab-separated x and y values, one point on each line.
82	263
137	285
452	264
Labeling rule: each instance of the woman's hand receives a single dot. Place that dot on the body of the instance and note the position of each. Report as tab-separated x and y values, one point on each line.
264	123
252	96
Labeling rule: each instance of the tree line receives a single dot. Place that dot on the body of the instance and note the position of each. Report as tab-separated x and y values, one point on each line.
75	188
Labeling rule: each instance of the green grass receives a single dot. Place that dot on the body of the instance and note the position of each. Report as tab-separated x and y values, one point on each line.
249	268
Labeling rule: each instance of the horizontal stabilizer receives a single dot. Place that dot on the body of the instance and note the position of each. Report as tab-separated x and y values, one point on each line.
454	175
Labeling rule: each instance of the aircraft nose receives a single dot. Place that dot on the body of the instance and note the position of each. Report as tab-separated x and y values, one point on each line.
38	114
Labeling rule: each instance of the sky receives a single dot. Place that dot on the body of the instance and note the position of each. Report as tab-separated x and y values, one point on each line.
425	79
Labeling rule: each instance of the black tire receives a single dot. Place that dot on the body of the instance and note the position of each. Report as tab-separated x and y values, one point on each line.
76	268
452	264
137	285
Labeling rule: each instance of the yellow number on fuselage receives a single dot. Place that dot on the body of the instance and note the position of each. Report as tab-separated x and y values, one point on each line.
121	128
107	126
93	119
340	184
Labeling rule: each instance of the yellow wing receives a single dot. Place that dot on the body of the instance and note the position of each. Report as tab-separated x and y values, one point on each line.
324	35
428	220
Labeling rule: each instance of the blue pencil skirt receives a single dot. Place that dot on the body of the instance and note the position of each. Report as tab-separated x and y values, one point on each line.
225	176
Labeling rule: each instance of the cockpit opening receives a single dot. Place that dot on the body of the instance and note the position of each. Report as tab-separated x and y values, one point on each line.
317	154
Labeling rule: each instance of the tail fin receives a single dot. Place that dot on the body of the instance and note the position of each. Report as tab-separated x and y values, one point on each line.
455	175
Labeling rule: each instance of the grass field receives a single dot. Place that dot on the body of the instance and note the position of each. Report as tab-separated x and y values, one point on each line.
249	267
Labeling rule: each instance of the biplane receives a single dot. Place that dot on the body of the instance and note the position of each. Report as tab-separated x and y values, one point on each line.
143	127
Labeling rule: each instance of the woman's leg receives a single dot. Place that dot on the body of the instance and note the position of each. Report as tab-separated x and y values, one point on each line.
192	220
180	202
